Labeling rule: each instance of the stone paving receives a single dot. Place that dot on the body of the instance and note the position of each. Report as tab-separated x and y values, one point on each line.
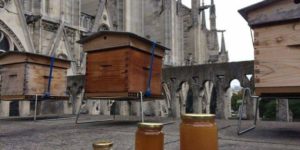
63	134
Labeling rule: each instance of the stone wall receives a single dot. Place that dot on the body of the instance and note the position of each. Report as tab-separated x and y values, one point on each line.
208	97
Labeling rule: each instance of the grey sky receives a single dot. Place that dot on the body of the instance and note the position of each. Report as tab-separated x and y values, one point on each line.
237	36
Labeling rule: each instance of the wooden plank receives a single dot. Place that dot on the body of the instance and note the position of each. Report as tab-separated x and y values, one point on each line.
46	61
138	73
13	59
32	98
277	11
121	69
12	79
280	35
12	97
146	47
277	67
113	42
278	91
37	80
22	57
106	41
106	71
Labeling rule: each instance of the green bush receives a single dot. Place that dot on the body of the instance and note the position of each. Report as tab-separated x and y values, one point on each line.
269	110
295	108
235	101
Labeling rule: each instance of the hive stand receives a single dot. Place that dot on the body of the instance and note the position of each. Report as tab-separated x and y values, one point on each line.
139	97
257	99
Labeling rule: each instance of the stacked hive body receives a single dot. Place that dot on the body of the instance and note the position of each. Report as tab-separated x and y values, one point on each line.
23	75
118	65
276	28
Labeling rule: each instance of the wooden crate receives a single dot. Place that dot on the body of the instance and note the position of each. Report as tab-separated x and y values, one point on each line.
118	65
23	75
276	29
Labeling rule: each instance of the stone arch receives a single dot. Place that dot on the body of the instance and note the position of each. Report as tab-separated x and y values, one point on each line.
189	101
181	95
6	43
62	56
15	43
103	27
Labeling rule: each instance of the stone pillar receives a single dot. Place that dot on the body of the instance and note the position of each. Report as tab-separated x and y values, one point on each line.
4	108
198	98
220	110
135	109
76	103
250	107
93	107
208	88
174	103
282	110
157	108
24	108
104	107
68	108
227	103
123	108
149	108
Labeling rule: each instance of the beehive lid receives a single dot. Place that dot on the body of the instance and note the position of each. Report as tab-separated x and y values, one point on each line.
12	57
109	40
270	12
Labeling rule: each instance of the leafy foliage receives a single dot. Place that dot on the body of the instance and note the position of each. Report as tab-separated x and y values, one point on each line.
235	100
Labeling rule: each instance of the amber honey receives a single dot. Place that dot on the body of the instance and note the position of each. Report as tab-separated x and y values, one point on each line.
198	132
149	136
103	145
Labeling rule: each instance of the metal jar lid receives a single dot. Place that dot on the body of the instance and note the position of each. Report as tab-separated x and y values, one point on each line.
145	125
198	117
103	144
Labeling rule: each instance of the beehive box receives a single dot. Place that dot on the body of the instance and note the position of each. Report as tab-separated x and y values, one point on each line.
276	29
118	65
23	75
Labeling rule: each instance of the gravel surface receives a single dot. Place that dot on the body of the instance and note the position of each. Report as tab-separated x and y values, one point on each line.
63	134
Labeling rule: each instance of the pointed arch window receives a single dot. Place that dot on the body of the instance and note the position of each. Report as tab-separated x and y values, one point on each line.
4	43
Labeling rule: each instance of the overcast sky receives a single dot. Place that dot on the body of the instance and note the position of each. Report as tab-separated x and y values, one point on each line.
237	36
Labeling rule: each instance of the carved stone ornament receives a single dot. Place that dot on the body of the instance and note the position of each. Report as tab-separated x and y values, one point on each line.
3	3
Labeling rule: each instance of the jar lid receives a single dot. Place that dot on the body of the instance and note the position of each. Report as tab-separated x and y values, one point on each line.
102	144
145	125
200	117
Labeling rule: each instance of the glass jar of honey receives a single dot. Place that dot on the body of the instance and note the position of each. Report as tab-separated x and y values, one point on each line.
149	136
103	145
198	132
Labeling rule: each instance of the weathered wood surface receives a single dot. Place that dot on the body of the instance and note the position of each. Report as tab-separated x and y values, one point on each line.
37	80
108	40
118	65
107	72
271	12
139	64
119	72
24	75
12	79
277	63
19	57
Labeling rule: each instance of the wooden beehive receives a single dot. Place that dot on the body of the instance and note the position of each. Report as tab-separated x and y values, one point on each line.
276	28
118	65
23	75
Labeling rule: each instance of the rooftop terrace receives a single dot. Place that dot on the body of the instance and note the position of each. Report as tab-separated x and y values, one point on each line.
63	134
